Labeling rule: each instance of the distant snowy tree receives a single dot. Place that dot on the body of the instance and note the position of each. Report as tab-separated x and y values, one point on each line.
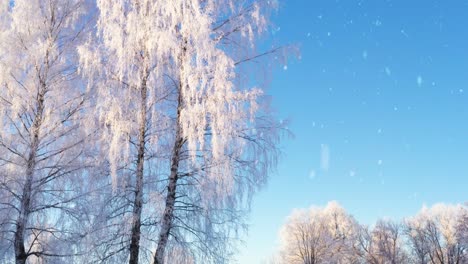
436	236
318	235
41	143
462	227
383	244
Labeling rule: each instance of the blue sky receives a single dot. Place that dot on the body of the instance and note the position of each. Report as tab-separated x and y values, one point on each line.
378	103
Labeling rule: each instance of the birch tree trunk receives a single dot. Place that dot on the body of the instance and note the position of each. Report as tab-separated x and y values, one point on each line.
138	202
41	142
168	216
20	253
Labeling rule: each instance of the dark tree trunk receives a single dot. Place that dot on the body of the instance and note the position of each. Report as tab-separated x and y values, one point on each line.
138	202
168	216
25	204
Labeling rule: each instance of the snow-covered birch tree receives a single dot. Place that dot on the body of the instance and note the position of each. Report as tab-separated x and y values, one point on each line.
41	103
165	75
435	235
462	228
223	145
384	243
124	61
318	235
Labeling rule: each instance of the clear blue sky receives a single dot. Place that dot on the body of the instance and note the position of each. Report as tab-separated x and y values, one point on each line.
379	109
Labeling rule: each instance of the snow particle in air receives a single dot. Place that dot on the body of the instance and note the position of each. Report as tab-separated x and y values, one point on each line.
419	80
324	157
388	71
404	33
312	174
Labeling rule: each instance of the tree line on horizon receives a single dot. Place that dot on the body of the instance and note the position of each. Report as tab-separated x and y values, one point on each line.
435	235
132	131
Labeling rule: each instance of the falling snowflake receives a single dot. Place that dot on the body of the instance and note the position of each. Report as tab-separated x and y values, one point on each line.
312	174
364	54
404	33
324	157
419	80
388	71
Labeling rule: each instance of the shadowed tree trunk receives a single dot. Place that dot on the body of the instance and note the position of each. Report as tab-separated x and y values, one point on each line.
138	202
25	208
168	216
